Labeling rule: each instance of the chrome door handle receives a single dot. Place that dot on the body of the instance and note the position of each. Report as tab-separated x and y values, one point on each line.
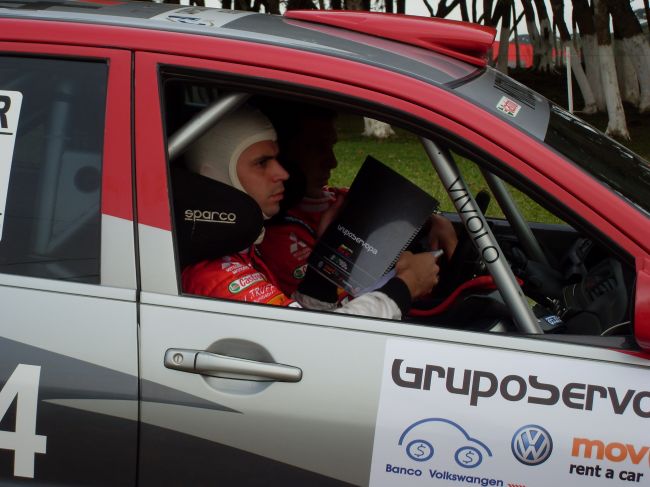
215	365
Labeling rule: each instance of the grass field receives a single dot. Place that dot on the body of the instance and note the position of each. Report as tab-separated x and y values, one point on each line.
404	152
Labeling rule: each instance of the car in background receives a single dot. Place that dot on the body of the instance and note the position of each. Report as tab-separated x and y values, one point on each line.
111	375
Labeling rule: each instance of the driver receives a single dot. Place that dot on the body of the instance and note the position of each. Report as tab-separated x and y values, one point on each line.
241	151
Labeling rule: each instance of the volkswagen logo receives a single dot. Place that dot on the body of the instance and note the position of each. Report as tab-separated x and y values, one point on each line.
532	444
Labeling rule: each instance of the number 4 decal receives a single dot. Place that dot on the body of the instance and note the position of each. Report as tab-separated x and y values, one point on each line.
22	385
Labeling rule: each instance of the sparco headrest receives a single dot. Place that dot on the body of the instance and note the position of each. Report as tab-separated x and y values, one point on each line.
212	219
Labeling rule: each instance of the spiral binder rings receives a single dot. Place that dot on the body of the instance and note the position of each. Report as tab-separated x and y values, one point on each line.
382	214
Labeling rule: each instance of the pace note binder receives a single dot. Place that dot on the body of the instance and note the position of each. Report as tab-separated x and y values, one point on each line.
382	213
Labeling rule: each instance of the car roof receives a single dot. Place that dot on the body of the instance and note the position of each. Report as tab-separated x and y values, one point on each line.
314	35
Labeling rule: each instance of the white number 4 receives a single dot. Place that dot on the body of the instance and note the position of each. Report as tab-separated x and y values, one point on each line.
22	385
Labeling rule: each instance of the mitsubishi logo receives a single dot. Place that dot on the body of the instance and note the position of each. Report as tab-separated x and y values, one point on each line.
531	444
296	244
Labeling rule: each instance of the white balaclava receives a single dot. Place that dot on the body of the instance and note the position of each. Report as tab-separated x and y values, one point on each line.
215	154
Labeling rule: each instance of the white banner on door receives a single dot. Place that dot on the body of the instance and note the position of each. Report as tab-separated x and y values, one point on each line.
10	102
455	415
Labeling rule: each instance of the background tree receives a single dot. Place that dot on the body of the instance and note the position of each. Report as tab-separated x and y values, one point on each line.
444	9
533	31
583	14
502	12
576	66
616	125
635	45
628	82
544	44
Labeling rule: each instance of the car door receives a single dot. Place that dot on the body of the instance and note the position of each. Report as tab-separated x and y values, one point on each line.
246	394
68	333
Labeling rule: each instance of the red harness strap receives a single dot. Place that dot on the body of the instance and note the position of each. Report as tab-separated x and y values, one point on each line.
485	283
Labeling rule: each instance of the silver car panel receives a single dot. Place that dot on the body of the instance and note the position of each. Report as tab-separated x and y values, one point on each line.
157	260
117	253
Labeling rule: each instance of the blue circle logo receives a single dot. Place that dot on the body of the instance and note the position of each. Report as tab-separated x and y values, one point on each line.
419	450
468	457
532	445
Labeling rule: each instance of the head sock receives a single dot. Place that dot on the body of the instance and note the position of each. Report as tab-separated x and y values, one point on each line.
215	154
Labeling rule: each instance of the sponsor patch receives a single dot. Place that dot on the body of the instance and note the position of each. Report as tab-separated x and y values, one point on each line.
299	249
261	294
532	444
242	283
508	106
344	250
300	271
234	268
339	261
210	216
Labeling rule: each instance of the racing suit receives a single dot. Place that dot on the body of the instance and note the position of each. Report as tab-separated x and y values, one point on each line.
245	277
242	277
288	243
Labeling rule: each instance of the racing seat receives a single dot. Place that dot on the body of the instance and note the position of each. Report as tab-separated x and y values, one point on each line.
211	219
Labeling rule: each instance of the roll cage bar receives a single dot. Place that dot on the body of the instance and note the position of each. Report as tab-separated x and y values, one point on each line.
482	237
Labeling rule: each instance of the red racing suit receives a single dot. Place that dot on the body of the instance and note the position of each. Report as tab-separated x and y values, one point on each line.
245	277
287	244
241	277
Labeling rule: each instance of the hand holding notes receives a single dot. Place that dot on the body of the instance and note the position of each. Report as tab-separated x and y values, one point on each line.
419	271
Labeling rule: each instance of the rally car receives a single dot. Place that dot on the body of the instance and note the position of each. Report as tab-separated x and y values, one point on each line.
111	375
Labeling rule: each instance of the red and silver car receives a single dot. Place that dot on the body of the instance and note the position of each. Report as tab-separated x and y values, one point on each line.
111	375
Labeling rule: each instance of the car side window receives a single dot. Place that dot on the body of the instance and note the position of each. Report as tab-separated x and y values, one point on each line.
50	177
577	284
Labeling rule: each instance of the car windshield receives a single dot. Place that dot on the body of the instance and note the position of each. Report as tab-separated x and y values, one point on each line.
614	165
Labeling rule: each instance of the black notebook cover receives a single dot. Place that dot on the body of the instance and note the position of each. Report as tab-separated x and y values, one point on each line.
382	213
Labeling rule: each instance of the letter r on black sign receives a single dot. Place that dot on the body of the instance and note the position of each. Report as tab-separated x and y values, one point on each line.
5	103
